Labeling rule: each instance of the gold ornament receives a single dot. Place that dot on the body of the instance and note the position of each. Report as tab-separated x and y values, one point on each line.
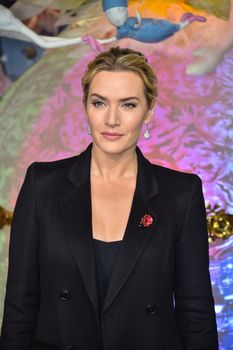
220	224
5	217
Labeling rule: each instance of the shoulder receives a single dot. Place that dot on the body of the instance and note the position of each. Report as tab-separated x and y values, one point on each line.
160	170
50	170
48	177
55	176
54	166
164	174
51	175
175	179
178	189
60	166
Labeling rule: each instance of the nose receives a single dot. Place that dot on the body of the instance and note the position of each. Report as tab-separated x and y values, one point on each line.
112	117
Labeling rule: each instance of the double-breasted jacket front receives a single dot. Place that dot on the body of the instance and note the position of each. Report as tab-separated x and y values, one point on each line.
159	296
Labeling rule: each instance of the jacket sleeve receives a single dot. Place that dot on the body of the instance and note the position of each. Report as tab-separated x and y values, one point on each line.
194	304
22	290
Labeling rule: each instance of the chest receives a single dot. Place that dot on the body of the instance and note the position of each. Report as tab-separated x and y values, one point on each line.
111	205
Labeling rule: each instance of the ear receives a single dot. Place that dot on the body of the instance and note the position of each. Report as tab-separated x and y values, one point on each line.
148	116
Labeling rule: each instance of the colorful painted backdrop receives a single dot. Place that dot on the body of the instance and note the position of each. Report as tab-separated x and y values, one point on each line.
192	129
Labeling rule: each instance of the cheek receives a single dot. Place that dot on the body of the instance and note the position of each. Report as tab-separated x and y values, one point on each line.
94	117
133	129
97	124
134	123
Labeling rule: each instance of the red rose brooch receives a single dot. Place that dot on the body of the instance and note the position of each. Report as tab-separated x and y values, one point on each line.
146	221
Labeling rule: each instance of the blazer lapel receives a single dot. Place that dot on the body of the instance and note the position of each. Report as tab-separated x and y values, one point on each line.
76	214
136	236
77	219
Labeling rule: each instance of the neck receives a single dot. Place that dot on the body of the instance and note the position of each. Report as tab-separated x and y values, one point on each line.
110	166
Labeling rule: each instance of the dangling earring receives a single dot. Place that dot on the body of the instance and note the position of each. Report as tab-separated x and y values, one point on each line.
146	134
88	130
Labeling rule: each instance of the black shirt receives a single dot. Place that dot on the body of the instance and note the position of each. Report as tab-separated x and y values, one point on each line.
106	254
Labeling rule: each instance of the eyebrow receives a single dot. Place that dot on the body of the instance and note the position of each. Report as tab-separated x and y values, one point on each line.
121	100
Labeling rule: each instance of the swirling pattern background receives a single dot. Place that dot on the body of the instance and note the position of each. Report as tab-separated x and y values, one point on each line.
192	130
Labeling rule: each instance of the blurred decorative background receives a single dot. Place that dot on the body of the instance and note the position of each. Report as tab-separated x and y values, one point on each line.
42	118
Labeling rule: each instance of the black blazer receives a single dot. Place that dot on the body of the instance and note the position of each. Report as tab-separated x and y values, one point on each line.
159	297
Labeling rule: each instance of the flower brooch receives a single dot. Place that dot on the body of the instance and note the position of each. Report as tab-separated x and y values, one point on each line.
146	221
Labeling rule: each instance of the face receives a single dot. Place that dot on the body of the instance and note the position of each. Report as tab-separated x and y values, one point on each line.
116	110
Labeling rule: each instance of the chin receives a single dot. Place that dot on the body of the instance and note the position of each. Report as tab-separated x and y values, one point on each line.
114	148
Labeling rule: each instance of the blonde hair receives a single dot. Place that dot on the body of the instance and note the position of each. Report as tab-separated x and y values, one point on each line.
117	59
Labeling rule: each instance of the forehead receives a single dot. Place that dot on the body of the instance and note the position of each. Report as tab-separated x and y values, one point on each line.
117	83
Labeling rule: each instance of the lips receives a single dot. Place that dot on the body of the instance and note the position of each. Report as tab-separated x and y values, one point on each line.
111	135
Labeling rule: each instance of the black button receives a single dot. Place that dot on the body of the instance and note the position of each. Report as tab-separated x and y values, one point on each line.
151	309
108	315
64	295
71	347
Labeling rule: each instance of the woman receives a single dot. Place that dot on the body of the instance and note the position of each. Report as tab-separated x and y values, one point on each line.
107	250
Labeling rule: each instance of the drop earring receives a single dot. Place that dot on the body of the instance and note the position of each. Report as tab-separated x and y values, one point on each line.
88	130
146	134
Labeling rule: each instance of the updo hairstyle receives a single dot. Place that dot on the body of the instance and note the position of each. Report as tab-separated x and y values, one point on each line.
118	59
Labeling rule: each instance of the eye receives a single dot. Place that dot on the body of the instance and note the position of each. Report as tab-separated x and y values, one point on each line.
129	105
97	104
